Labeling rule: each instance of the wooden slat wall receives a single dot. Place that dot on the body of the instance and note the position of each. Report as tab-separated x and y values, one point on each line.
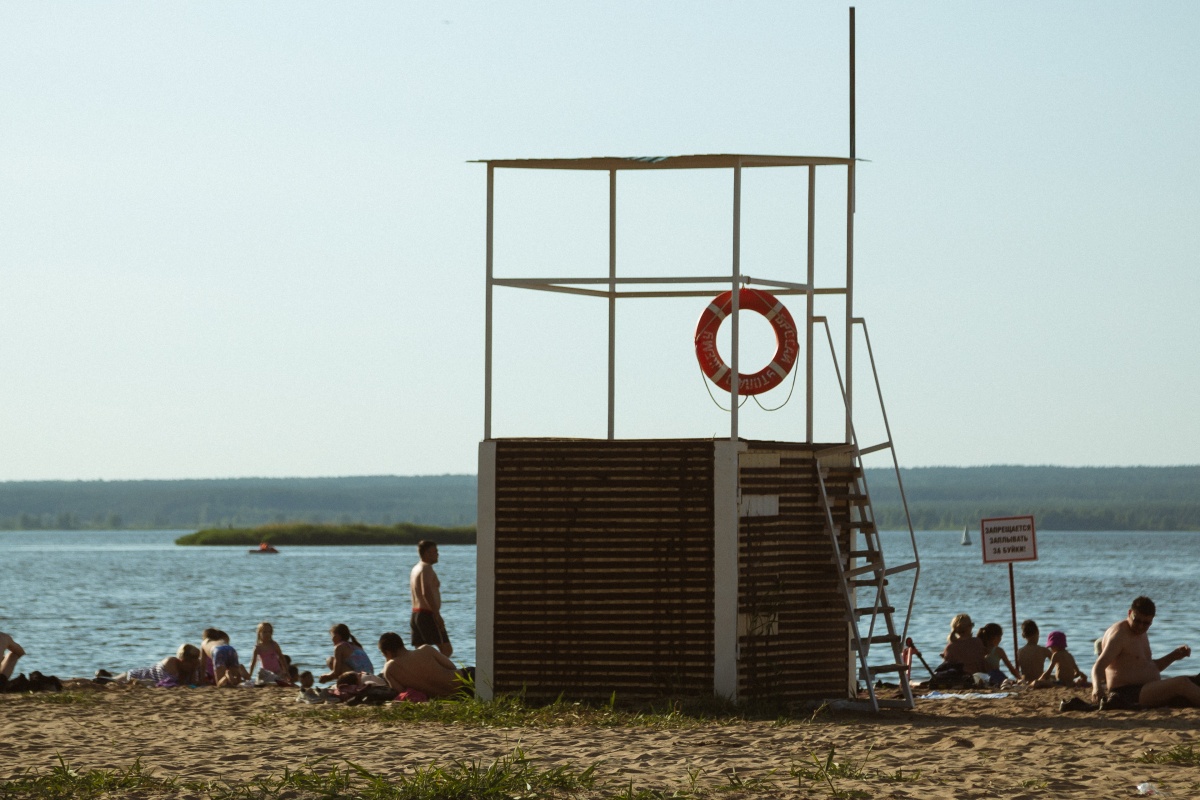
787	576
604	559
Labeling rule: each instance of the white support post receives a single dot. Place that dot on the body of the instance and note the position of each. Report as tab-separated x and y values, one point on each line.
734	388
487	313
485	573
810	304
849	359
612	302
725	568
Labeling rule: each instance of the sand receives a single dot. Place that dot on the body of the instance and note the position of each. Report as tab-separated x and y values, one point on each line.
1020	746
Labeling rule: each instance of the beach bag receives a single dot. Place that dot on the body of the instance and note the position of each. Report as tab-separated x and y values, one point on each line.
950	675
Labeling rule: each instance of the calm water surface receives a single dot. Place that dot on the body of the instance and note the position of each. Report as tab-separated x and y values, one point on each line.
81	600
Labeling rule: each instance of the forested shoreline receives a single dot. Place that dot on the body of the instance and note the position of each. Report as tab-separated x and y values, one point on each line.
939	498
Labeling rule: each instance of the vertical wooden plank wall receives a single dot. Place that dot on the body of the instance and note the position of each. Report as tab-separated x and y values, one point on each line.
603	568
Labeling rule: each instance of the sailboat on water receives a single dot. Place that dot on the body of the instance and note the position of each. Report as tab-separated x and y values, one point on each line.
966	536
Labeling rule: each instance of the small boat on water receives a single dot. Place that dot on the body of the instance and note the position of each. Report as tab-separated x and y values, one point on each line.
264	549
966	536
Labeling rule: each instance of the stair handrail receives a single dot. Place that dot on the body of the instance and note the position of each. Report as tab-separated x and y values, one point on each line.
912	537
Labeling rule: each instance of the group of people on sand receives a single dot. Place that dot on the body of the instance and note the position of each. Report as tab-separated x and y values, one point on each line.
420	673
1125	674
978	657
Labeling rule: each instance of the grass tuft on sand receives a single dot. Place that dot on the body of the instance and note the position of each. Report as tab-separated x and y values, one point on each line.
511	711
513	776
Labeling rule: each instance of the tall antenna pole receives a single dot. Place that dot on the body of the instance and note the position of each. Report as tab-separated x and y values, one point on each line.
852	81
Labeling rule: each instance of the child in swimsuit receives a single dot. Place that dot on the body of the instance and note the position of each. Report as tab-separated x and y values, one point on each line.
1031	659
990	635
226	670
1062	667
268	651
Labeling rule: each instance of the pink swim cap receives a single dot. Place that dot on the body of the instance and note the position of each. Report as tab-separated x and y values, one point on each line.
1056	639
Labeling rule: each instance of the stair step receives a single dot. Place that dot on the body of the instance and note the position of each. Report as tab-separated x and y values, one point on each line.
864	554
893	703
876	669
887	638
865	610
854	573
871	584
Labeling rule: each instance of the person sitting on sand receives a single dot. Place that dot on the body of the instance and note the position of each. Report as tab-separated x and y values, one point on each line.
10	653
1031	659
424	669
1132	677
963	650
990	635
361	679
181	669
226	670
1063	671
274	662
348	655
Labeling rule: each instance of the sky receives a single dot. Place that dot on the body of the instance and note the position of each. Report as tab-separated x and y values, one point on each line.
247	239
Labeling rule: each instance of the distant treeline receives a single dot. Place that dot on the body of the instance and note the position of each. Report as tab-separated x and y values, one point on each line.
313	534
447	500
940	498
1061	498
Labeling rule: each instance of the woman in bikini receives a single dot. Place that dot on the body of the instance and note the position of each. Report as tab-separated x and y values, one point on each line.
348	655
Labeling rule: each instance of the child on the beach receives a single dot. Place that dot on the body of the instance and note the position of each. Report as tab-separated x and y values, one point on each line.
268	651
1062	667
1031	659
990	635
226	670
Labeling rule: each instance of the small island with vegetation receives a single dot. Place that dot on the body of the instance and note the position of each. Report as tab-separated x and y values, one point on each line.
308	533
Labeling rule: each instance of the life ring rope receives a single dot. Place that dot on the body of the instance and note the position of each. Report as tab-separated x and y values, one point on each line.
787	347
746	398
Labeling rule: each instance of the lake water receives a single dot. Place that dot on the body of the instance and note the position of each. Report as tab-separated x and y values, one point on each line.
80	600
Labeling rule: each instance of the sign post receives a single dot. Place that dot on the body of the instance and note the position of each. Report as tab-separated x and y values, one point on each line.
1005	540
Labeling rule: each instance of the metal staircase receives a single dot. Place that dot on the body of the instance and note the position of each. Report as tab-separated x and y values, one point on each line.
858	554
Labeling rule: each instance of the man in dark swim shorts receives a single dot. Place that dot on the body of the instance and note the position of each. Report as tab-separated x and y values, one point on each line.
427	624
1135	678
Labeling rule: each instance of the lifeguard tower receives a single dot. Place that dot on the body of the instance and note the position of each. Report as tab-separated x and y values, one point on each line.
745	569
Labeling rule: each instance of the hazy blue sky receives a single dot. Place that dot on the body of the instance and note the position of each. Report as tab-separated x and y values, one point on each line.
244	238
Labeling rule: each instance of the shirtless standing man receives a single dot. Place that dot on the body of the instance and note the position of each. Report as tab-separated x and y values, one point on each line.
427	624
1132	676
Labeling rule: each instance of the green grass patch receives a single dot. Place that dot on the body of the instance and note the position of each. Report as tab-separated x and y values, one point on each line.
64	782
511	711
510	777
309	534
1184	754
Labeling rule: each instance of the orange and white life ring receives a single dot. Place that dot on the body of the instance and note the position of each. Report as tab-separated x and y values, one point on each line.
787	347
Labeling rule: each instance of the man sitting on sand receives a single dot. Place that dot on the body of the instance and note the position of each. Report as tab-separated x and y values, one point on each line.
424	669
1132	676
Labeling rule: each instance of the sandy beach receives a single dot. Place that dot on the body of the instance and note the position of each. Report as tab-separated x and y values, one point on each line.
1019	746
